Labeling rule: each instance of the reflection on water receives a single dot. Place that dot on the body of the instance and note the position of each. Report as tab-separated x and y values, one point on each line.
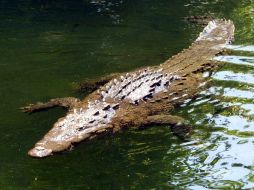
234	122
241	60
249	48
231	92
108	7
232	76
229	159
228	152
249	107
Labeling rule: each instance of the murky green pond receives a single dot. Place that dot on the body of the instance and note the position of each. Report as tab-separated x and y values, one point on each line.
48	45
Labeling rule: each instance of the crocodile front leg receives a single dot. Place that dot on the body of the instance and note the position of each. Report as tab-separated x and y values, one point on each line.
68	102
94	84
178	124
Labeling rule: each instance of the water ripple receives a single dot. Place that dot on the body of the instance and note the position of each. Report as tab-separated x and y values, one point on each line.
249	48
232	76
227	161
239	60
231	92
249	108
234	122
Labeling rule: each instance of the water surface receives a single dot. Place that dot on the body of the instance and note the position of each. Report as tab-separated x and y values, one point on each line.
46	46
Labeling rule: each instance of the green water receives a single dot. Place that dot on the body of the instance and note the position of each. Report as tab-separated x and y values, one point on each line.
46	46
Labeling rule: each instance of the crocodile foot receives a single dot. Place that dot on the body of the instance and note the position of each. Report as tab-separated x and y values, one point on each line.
178	125
68	102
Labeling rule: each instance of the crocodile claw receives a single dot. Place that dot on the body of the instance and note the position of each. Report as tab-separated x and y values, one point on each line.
27	109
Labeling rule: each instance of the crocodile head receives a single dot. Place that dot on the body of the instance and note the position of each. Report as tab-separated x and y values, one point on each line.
77	125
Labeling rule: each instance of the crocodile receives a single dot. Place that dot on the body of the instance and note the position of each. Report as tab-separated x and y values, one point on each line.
139	98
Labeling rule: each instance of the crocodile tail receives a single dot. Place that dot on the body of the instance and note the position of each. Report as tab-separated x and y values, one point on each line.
218	30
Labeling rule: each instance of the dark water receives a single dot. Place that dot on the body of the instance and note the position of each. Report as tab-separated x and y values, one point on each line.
48	45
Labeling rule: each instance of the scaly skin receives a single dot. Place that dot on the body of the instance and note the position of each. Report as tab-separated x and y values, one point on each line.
143	97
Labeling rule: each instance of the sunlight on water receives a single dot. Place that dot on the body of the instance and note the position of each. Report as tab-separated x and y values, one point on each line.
232	76
241	60
225	161
231	92
233	122
249	107
249	48
227	154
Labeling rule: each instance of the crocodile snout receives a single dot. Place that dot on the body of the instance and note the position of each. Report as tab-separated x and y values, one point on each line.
39	152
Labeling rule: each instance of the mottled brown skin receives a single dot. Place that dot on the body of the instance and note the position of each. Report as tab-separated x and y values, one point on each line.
189	65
